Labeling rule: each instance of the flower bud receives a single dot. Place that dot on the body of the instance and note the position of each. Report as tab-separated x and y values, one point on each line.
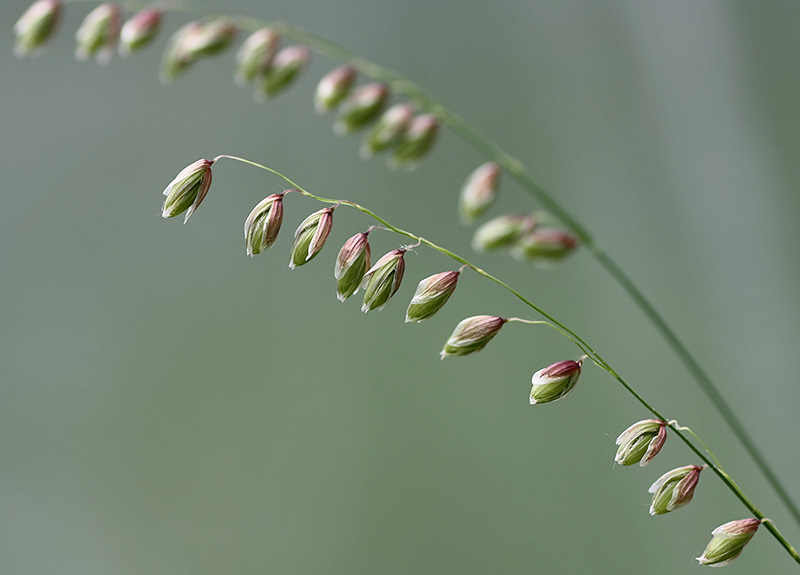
351	265
193	41
310	236
35	27
727	542
641	442
382	280
255	55
416	142
479	192
361	107
674	489
389	130
263	224
98	33
187	190
208	39
285	67
175	60
501	232
545	245
333	88
472	334
140	30
555	381
432	293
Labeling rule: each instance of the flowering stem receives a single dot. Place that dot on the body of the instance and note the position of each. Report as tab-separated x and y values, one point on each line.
563	329
518	172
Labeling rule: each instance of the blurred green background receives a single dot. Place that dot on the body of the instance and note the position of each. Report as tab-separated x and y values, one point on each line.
171	406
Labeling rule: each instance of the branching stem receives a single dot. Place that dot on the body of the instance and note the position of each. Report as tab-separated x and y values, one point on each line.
564	330
518	172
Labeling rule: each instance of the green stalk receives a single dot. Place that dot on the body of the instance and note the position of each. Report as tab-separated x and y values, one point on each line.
564	330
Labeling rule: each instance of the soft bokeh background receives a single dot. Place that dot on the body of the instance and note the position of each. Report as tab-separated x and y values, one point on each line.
171	406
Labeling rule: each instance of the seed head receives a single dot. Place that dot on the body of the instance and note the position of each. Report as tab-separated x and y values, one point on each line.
208	39
545	245
361	107
674	489
187	190
382	280
35	27
310	236
501	232
139	30
472	334
263	224
333	88
389	130
175	60
193	41
98	33
479	192
416	142
727	542
432	293
255	55
286	65
641	442
555	381
351	265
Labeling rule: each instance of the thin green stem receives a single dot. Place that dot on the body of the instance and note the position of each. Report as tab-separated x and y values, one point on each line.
555	327
697	437
563	329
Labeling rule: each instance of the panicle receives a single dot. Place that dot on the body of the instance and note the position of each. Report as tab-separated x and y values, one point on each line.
382	280
555	381
286	66
361	107
432	293
472	334
416	142
36	26
255	55
333	88
139	30
674	489
187	190
263	224
310	236
98	33
479	192
352	263
641	442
